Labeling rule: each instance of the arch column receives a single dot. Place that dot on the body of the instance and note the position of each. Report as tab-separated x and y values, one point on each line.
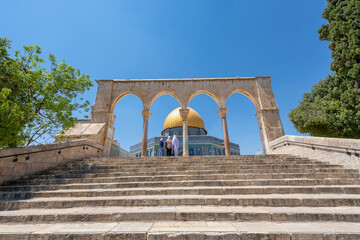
270	127
268	116
101	113
108	134
146	114
184	113
222	112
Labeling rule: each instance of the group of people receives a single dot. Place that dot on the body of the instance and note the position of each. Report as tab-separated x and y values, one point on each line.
170	146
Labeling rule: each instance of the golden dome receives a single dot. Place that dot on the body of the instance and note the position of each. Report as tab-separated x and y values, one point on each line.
174	120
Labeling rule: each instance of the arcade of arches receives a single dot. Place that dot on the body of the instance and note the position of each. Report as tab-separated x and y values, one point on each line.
257	89
200	143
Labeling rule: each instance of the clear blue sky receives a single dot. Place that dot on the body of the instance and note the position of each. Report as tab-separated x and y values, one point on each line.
180	39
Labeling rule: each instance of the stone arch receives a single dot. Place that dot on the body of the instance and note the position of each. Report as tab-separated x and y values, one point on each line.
157	108
163	93
236	102
248	95
257	89
126	112
118	98
206	93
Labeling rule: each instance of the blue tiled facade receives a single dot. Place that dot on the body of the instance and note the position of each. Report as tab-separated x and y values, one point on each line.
199	145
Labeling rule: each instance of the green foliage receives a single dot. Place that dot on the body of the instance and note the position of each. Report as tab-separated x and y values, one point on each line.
34	101
332	108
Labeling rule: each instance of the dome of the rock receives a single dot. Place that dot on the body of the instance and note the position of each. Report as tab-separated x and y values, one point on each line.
174	120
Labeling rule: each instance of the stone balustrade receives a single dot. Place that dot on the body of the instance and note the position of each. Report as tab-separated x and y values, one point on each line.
18	162
341	151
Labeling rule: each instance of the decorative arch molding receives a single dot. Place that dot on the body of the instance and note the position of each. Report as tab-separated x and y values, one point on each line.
203	92
249	96
160	94
257	89
118	98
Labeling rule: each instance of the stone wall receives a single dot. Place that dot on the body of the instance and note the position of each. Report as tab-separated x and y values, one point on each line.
18	162
117	151
333	150
83	129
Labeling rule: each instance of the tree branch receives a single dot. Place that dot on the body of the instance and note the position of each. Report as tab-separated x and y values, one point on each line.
27	63
31	138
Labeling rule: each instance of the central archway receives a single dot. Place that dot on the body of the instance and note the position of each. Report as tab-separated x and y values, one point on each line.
257	89
161	106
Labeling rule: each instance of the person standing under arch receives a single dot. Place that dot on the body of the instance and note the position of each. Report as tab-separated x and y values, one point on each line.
161	147
175	145
168	146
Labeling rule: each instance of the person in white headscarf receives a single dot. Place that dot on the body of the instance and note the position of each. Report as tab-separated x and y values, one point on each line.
168	146
175	145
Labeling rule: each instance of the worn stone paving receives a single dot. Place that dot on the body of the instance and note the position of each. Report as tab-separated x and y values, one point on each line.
237	197
183	213
172	230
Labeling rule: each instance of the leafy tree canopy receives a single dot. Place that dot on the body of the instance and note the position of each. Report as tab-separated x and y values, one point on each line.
36	102
332	108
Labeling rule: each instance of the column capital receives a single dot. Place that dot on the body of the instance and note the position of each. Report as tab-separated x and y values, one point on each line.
222	112
146	113
184	113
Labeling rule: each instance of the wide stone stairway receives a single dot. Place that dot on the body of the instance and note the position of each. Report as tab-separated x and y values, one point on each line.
237	197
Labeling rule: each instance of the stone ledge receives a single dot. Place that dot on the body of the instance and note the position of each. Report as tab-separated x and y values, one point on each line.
24	161
48	147
331	144
341	151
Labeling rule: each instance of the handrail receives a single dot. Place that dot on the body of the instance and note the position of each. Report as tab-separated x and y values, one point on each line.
53	149
315	145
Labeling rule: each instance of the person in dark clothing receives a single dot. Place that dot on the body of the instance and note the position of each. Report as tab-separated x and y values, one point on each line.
168	146
161	147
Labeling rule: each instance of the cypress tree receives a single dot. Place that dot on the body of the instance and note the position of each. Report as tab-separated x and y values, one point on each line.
332	108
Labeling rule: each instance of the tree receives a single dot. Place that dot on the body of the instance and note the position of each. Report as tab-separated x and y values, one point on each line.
35	102
332	108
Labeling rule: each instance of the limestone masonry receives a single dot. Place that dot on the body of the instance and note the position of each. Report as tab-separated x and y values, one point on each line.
213	197
257	89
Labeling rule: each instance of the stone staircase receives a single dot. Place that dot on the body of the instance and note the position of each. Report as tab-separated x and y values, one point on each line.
235	197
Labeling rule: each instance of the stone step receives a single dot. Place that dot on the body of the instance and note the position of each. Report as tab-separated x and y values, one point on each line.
201	167
208	167
97	192
184	177
180	162
150	172
224	183
200	161
194	159
180	165
235	197
199	158
271	200
181	230
183	213
84	174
